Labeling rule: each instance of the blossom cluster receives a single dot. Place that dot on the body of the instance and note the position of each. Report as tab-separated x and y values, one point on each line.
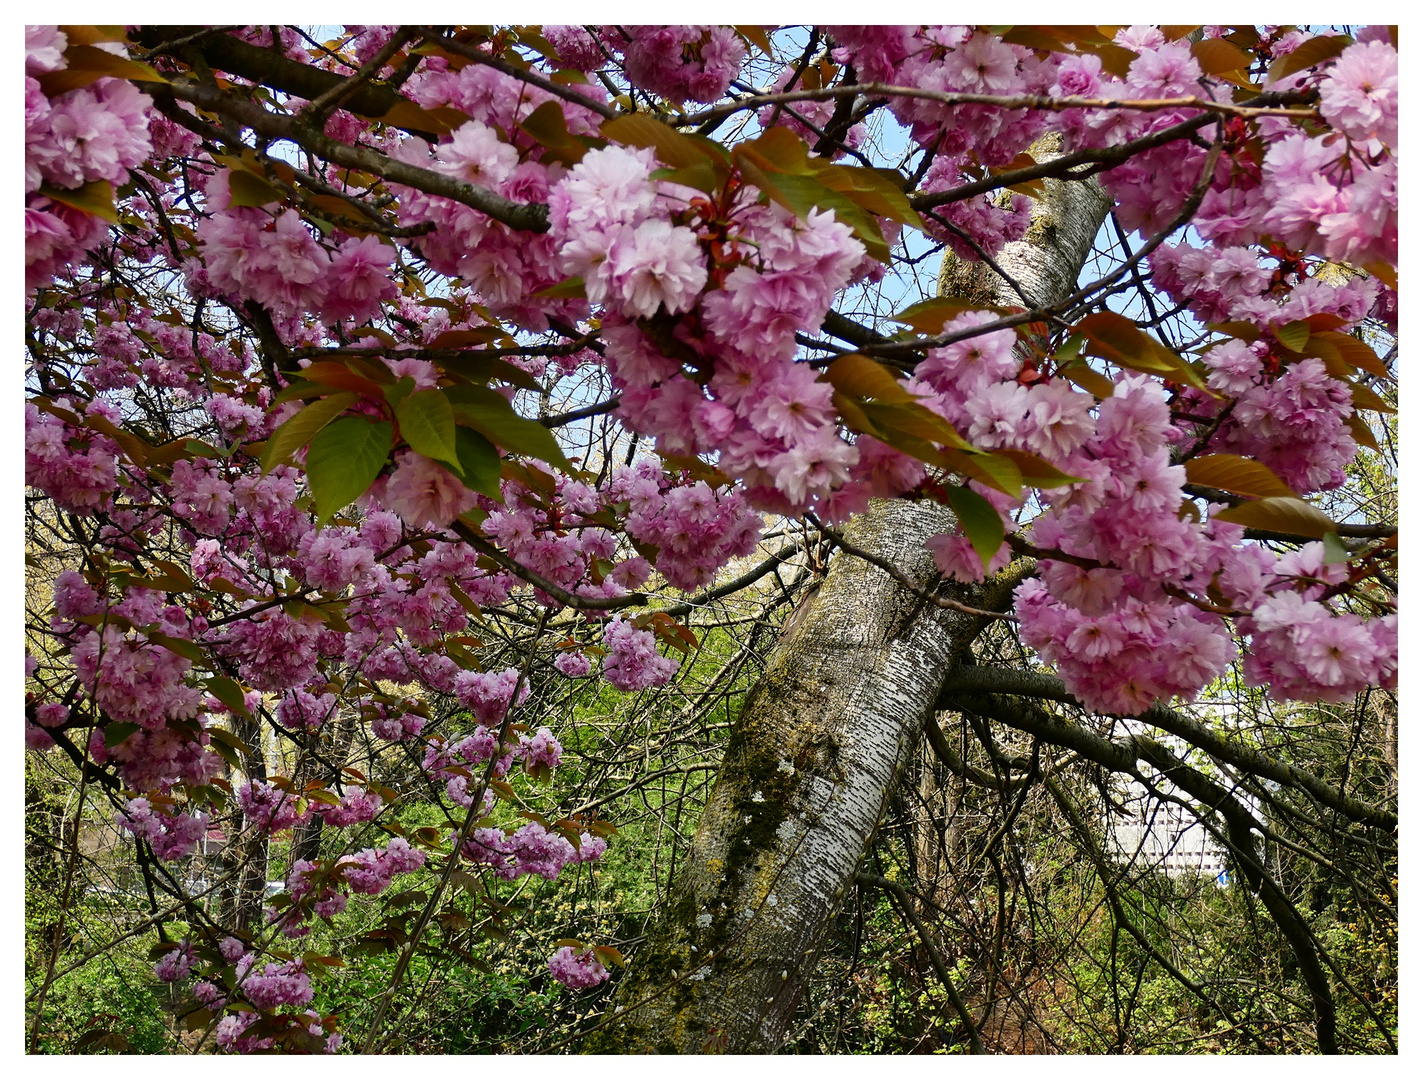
577	969
90	135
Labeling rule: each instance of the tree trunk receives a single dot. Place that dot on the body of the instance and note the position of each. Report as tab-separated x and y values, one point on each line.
820	744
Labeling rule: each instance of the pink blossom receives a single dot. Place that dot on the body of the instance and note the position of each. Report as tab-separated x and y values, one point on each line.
577	970
424	494
1360	95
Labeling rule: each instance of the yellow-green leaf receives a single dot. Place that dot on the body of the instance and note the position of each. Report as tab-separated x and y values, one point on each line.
859	376
672	147
1238	475
230	694
249	189
298	430
1363	434
1364	398
1117	339
189	650
1334	549
1293	335
88	64
95	197
1292	516
1037	472
929	316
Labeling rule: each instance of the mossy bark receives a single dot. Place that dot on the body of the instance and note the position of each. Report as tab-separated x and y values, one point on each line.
819	747
821	742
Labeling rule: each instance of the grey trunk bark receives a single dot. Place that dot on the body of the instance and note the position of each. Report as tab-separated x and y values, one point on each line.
821	742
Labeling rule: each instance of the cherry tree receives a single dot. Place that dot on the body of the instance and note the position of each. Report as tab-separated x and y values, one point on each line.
371	374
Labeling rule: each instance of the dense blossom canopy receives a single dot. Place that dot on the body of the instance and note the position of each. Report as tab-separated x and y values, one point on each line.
287	355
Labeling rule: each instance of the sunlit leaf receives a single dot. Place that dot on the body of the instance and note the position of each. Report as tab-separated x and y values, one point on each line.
1292	516
859	376
343	461
1117	339
1334	550
296	431
95	197
1238	475
427	423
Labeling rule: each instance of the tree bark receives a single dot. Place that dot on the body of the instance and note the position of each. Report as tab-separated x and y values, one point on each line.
821	742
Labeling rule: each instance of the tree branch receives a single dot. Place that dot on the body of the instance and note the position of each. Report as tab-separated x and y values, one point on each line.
970	679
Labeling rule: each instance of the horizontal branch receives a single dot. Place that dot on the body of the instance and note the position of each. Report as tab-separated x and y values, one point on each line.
526	217
1249	109
969	680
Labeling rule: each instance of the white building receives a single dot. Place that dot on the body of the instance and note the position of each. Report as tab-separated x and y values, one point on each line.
1162	835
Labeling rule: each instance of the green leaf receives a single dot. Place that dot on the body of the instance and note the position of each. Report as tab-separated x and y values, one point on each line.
440	120
479	461
1365	398
298	430
569	288
227	738
229	693
477	368
1238	475
1089	379
490	414
873	190
1037	472
1347	349
1281	515
802	193
700	176
672	147
344	460
979	520
399	390
1293	335
995	470
297	390
427	423
547	126
1334	550
1359	428
116	733
914	419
